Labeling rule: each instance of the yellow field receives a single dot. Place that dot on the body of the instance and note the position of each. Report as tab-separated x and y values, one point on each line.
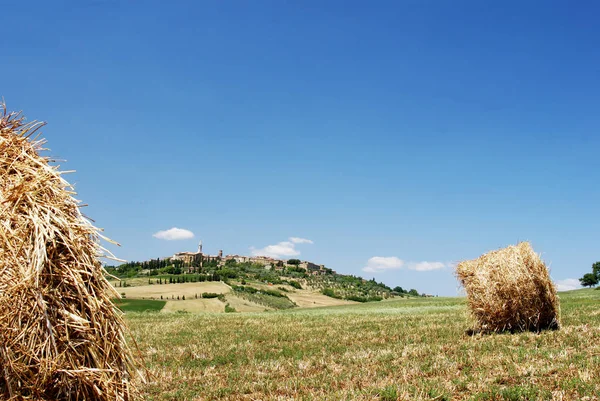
168	291
306	298
313	299
194	305
191	304
212	305
141	290
242	305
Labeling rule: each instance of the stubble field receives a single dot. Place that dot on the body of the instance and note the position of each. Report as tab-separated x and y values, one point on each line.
393	350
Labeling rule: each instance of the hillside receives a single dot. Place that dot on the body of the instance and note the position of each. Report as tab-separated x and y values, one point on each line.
217	296
250	286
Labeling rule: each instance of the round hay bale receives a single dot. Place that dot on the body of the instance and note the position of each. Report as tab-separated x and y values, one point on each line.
510	290
61	338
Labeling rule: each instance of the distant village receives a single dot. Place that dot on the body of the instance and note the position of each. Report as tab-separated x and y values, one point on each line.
199	258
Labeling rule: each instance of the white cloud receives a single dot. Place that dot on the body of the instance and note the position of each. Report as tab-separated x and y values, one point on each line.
425	266
378	264
297	240
567	284
281	249
284	248
174	234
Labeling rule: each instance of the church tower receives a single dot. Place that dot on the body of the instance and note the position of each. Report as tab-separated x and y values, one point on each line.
200	247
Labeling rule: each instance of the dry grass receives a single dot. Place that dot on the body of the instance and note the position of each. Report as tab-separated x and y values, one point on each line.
191	304
394	350
212	305
510	289
60	336
189	290
195	306
243	305
306	297
303	298
314	299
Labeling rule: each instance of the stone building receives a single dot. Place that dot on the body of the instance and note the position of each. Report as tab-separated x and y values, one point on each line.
196	259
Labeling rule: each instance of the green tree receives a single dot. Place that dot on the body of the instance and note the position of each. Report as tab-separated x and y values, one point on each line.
293	262
295	284
414	292
596	270
589	280
399	289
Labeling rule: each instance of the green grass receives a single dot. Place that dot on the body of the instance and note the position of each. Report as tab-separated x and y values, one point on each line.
412	349
139	305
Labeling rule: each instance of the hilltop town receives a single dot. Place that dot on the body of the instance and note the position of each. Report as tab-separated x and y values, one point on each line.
237	271
194	260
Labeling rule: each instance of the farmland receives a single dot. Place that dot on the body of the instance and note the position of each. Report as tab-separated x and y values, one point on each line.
187	297
407	349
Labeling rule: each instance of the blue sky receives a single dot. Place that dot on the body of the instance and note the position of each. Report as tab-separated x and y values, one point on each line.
396	136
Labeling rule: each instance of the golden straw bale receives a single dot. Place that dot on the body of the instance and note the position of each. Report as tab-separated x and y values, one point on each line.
61	338
510	290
